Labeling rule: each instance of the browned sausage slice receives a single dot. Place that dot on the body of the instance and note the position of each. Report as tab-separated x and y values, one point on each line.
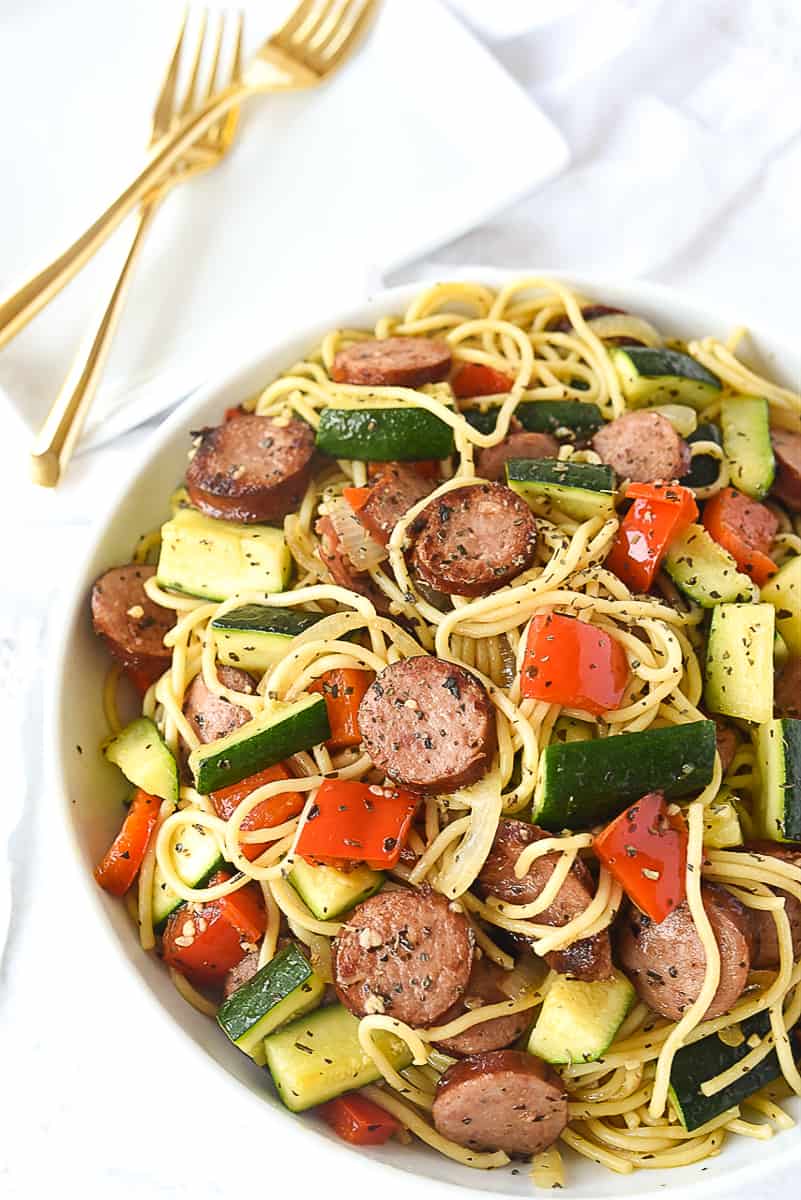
766	955
473	540
727	742
491	462
787	450
393	362
666	962
392	495
787	695
485	986
342	570
590	312
428	724
242	973
132	626
503	1100
404	953
588	959
212	716
642	446
251	468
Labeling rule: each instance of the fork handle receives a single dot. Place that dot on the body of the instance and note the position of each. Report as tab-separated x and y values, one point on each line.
19	309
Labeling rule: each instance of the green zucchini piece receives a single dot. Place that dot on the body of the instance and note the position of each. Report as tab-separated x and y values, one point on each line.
580	490
655	376
202	556
327	891
778	806
783	591
145	759
704	469
279	992
319	1057
722	827
560	417
584	783
704	571
738	673
198	858
745	421
383	434
579	1021
282	729
255	636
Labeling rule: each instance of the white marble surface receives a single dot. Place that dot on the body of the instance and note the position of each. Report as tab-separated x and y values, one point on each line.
84	1103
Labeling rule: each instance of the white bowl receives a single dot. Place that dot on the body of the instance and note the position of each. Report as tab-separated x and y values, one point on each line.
86	780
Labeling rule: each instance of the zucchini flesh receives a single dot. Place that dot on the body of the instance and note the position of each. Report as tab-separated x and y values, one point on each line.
282	729
722	828
745	421
145	759
704	571
655	376
255	636
196	858
738	673
580	490
283	989
778	806
327	891
203	556
383	434
584	783
560	417
704	469
783	591
579	1021
319	1057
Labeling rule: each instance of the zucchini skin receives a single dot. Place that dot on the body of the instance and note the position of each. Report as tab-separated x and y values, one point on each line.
581	490
650	375
779	803
262	618
542	416
245	1017
703	469
383	434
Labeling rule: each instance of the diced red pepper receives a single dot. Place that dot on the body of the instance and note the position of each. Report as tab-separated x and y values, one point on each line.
357	1120
476	379
121	862
206	942
343	690
267	813
356	497
235	411
357	822
142	677
659	514
745	528
645	848
571	663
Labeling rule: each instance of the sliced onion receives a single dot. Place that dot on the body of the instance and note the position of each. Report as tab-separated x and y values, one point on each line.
363	550
622	325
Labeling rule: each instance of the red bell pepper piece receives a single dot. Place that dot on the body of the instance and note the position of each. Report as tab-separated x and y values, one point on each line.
356	497
660	512
645	848
236	410
571	663
142	677
121	862
267	813
343	691
356	1119
358	822
745	528
476	379
206	942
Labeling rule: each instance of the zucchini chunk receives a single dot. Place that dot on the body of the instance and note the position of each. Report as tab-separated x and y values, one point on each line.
654	376
203	556
583	783
199	857
280	991
383	434
580	490
722	828
745	421
328	892
783	591
559	417
255	636
778	806
284	728
145	759
579	1021
319	1057
704	469
738	672
704	571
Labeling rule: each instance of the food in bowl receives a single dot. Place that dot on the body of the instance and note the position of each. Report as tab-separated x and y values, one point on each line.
466	786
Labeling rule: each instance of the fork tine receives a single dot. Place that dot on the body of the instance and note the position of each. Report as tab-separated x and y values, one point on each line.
224	131
189	96
349	31
215	58
236	61
327	20
285	35
162	113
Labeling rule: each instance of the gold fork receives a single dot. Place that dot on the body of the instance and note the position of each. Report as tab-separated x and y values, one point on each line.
56	440
311	44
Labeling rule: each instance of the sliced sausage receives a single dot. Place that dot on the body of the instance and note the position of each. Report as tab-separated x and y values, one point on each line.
131	625
428	724
503	1100
766	955
787	693
727	742
588	959
473	540
749	521
251	468
212	716
590	312
393	362
643	446
242	973
404	953
787	451
491	462
341	569
666	962
485	986
391	496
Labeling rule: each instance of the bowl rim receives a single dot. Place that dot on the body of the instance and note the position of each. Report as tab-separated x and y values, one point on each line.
385	300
